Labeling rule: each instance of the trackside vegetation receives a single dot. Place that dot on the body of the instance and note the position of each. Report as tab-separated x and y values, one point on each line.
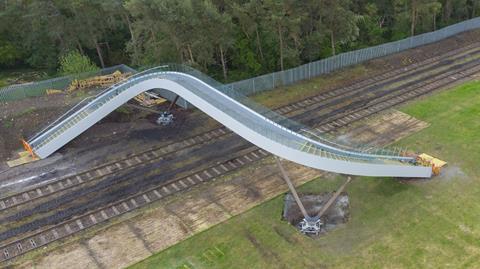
229	39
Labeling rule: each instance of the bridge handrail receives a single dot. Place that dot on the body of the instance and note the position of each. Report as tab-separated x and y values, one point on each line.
268	116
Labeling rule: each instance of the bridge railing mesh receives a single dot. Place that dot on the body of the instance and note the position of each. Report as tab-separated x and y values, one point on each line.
271	124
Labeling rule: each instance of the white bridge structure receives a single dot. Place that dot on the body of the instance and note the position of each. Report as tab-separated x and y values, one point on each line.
258	125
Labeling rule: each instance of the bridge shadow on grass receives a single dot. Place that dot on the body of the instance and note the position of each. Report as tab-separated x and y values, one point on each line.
389	187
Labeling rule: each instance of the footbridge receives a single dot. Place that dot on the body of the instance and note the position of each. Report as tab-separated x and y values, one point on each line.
259	125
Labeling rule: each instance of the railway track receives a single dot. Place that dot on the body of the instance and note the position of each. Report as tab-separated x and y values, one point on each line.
386	99
139	160
121	185
76	224
133	160
112	168
382	105
82	222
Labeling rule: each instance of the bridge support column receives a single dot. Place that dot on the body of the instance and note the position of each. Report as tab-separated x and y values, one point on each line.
167	117
309	225
173	103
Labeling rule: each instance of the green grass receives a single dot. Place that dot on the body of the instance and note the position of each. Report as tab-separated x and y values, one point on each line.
25	112
422	224
7	123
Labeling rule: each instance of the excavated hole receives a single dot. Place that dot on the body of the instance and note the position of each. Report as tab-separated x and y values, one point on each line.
337	214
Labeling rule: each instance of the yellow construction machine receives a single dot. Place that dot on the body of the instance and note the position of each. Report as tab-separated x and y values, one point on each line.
98	81
427	160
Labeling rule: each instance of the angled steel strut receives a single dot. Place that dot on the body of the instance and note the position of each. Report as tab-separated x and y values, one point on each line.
309	225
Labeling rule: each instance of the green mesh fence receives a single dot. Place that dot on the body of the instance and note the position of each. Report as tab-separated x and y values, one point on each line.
268	81
20	91
324	66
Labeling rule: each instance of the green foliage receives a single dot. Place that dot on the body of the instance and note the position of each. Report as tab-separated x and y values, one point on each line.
25	112
75	63
231	39
123	110
7	123
371	26
9	55
246	58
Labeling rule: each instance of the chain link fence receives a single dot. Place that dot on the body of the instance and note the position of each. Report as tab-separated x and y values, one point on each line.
324	66
268	81
20	91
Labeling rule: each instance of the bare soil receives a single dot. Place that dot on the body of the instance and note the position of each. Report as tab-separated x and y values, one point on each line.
124	131
338	213
383	129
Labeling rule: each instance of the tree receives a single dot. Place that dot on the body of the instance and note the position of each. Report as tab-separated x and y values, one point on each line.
90	23
9	55
166	26
371	27
340	21
75	63
284	20
456	10
421	15
414	16
249	21
432	9
217	28
231	39
24	25
312	29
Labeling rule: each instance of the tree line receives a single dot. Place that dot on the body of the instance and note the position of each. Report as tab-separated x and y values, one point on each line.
229	39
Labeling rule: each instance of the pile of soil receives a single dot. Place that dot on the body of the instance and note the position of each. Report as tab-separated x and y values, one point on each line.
338	213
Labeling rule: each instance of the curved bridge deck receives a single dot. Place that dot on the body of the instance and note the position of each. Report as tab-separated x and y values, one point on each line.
256	124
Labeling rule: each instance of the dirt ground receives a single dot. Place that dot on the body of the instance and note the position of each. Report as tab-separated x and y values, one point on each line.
119	134
383	129
338	213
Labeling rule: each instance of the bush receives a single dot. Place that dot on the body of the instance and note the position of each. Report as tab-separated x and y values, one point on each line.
74	63
9	55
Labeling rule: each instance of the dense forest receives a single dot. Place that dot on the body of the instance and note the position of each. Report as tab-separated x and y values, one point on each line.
230	39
